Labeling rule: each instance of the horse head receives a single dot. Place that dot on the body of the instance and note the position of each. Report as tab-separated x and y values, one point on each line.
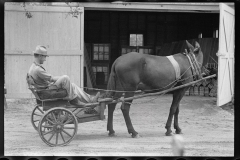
196	51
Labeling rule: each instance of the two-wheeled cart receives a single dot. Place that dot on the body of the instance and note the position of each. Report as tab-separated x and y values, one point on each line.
56	120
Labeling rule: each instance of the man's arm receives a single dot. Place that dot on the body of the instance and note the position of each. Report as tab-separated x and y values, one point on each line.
54	79
46	76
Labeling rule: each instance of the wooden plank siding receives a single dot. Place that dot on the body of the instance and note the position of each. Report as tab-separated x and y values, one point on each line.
50	27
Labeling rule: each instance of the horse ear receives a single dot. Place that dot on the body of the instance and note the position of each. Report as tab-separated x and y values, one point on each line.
189	46
197	46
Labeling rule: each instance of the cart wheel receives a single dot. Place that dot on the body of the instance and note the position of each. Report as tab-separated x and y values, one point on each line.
37	114
58	127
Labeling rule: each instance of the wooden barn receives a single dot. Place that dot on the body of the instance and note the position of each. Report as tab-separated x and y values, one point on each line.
84	39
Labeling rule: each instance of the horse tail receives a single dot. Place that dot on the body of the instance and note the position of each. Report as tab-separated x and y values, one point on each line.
112	81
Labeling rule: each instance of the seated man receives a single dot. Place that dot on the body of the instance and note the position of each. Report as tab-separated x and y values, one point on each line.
42	79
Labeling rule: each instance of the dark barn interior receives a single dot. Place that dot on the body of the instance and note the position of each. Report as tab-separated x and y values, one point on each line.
107	34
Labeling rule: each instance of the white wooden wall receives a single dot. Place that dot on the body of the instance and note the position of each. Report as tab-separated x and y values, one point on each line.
49	26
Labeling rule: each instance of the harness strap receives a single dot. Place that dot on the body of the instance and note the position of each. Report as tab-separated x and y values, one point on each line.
175	66
194	66
197	67
190	61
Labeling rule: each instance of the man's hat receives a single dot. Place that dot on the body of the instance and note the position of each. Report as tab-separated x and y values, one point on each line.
40	50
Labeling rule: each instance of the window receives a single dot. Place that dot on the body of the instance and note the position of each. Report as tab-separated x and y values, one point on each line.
103	69
101	52
136	40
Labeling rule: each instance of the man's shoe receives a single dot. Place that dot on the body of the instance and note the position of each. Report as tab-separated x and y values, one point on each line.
76	101
95	99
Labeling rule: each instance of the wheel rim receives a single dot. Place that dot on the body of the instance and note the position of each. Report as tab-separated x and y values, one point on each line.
36	116
58	127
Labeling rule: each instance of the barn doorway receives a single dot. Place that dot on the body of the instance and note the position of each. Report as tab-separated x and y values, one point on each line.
110	34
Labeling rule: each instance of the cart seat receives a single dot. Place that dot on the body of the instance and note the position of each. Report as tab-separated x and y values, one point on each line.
45	93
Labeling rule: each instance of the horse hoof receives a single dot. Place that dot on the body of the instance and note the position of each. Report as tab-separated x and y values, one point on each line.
168	134
111	134
135	136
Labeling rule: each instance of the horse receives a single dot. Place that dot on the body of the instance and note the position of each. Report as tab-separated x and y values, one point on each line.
133	70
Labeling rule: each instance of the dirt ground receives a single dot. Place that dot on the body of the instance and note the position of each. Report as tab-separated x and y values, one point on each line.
208	130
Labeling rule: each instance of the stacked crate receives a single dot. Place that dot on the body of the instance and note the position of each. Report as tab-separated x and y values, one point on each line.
207	88
213	90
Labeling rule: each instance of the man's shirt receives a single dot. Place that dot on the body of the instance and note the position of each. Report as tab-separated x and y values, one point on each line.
39	75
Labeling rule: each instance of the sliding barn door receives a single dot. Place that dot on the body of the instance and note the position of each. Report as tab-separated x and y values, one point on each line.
226	55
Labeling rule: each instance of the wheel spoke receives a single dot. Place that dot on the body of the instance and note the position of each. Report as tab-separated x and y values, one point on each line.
57	138
69	127
49	120
51	137
62	137
53	116
47	126
36	120
44	129
66	133
40	110
47	132
66	115
59	113
37	114
68	122
63	118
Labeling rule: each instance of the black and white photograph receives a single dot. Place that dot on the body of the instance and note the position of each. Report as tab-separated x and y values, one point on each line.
119	79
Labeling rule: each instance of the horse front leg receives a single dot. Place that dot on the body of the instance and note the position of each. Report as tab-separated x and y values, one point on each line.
169	120
176	126
174	111
111	108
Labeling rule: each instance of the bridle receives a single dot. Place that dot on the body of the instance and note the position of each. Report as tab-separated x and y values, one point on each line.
195	67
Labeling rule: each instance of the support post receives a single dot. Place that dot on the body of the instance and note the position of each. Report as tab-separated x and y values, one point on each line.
102	109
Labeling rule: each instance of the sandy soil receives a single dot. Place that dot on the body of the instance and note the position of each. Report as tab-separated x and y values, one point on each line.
208	130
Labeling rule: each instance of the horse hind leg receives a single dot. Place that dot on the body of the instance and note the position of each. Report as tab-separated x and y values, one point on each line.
111	108
125	110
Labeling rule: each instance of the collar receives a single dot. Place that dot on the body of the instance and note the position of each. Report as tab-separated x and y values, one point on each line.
37	64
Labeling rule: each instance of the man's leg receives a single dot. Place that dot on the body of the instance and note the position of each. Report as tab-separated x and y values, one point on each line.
64	82
84	96
74	91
